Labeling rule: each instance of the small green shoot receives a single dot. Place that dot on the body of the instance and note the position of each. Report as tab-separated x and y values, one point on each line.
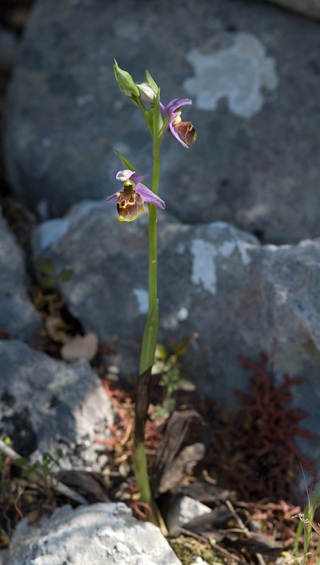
42	469
310	531
167	364
48	276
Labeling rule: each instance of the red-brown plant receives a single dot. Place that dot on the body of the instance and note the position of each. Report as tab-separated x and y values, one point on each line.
257	452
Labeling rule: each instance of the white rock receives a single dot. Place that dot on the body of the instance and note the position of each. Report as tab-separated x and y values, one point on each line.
182	511
101	534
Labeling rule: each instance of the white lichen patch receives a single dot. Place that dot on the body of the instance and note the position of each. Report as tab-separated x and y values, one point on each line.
243	249
203	265
237	73
227	248
182	314
142	297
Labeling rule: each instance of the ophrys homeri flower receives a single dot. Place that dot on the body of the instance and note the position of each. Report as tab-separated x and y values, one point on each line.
130	199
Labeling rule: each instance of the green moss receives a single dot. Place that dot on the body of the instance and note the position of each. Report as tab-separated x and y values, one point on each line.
186	549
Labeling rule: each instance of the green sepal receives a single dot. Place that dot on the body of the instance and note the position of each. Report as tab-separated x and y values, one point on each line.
157	124
149	341
152	83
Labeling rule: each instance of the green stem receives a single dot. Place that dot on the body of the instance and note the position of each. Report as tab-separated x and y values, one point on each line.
153	237
147	354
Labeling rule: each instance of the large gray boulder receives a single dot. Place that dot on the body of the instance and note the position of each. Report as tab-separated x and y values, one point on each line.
18	316
46	405
310	8
240	297
101	534
253	73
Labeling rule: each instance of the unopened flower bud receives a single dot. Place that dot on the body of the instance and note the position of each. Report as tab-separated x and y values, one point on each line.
125	81
147	93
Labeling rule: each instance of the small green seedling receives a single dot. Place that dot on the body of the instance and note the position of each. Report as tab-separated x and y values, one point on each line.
42	469
311	547
167	364
48	276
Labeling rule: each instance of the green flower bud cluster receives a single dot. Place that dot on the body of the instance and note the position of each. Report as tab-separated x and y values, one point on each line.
145	90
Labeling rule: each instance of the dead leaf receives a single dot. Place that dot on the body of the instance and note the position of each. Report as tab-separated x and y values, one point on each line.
57	329
176	429
182	464
210	522
90	485
206	493
80	347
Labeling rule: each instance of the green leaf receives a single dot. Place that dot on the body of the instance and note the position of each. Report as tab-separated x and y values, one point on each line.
183	345
46	266
169	405
128	163
152	83
65	275
59	453
47	282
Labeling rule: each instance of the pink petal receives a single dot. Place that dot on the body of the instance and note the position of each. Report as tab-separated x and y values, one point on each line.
149	196
176	135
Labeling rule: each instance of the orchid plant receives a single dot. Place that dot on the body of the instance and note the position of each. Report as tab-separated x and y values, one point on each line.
130	202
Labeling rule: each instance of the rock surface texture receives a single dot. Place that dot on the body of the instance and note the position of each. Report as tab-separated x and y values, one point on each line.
102	534
241	297
46	405
252	69
310	8
18	317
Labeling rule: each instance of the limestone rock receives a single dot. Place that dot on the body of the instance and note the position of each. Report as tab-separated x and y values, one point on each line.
101	534
252	70
310	8
46	405
241	297
18	317
182	511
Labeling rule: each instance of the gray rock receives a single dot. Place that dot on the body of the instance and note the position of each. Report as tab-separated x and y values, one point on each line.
101	534
182	511
239	296
46	405
18	316
252	70
310	8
